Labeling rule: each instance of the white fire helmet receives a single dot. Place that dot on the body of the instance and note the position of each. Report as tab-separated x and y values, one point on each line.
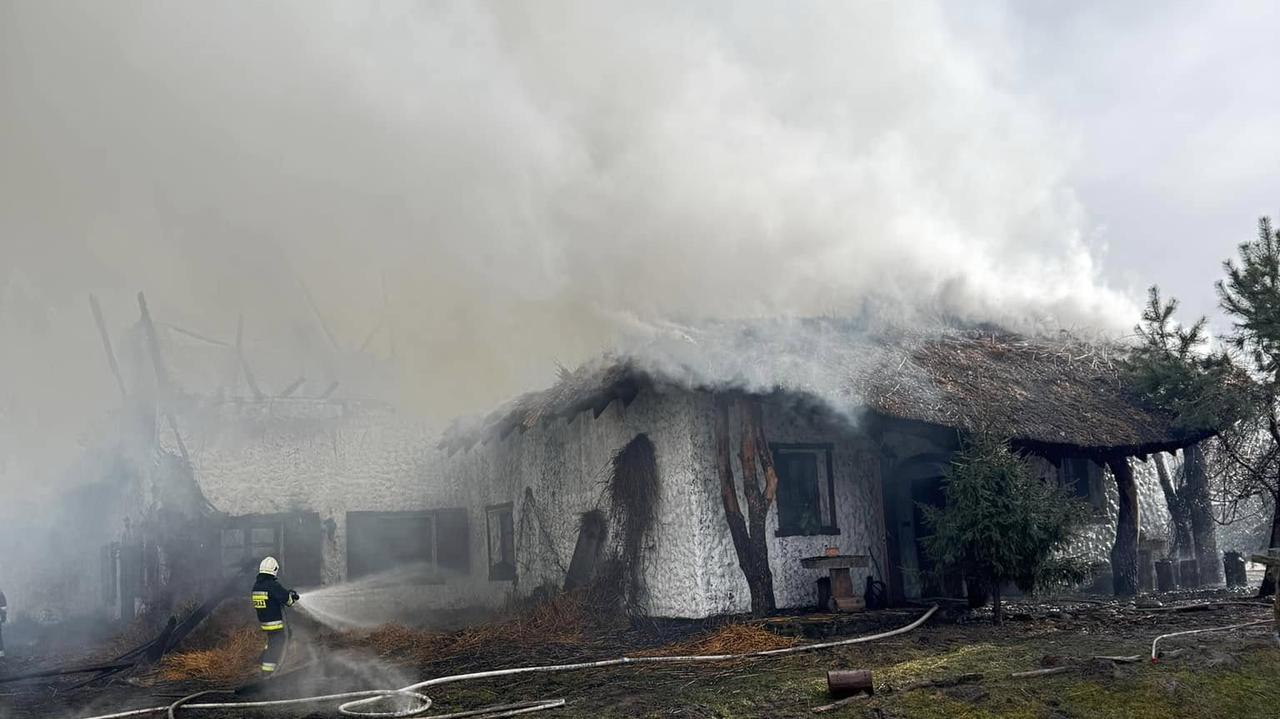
269	566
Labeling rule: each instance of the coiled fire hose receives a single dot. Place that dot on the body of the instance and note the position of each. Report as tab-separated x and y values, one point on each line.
360	703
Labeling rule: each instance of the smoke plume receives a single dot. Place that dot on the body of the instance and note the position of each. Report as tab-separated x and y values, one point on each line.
476	191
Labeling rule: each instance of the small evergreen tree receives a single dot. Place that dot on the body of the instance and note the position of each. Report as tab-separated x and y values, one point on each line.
1001	523
1172	368
1250	296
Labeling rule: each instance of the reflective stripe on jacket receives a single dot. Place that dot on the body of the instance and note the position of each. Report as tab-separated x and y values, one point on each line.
269	600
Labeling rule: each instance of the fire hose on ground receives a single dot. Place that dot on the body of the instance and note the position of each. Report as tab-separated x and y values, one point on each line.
359	703
1156	641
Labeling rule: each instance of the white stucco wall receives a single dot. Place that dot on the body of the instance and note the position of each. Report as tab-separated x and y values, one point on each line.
306	455
858	509
1093	542
558	470
332	459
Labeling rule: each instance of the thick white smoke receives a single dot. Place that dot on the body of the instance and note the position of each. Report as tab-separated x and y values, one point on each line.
508	185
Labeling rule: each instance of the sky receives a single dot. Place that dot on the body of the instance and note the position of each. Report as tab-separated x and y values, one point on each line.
1170	110
477	192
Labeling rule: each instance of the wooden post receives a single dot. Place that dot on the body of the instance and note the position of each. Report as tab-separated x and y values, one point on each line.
1271	559
1124	553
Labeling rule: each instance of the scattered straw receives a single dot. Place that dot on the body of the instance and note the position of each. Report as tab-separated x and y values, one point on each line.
560	621
729	639
233	660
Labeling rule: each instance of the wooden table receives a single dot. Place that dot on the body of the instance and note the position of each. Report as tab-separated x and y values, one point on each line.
843	598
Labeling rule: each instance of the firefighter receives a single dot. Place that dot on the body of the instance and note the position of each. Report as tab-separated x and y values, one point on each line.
269	600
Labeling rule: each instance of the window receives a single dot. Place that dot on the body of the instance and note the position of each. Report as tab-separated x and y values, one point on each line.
295	539
1083	478
806	489
381	541
248	544
502	542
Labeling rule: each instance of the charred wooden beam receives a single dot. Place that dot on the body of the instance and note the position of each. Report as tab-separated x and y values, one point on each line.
244	364
328	391
293	387
196	335
106	345
153	344
324	326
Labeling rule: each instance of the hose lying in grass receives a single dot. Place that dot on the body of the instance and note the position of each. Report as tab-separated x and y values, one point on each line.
1202	631
357	704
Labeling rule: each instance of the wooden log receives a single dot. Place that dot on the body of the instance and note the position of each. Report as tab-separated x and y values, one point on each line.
841	703
844	682
1040	672
944	682
161	642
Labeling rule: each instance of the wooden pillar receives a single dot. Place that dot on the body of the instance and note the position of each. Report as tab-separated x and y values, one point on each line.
1271	559
1124	553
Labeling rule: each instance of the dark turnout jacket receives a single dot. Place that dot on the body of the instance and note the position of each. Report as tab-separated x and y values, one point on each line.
269	600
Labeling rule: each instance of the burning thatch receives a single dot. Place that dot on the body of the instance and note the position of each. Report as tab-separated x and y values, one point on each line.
1050	394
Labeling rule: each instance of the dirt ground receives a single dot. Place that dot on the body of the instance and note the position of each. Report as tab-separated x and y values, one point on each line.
1230	674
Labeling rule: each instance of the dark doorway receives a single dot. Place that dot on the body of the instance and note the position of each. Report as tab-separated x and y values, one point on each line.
294	539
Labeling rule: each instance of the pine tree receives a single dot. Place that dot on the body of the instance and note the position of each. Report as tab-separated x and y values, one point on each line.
1000	523
1250	295
1172	368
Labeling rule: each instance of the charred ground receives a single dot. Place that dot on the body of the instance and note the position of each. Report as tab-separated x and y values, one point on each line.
1230	674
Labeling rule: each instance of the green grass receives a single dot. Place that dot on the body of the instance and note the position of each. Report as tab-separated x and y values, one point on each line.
791	687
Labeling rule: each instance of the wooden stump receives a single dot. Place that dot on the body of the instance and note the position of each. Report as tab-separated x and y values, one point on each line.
1234	570
847	682
1164	576
1189	574
1146	580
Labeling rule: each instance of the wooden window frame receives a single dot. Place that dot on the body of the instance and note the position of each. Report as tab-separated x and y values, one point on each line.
489	511
830	526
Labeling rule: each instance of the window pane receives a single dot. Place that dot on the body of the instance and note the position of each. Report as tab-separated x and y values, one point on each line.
799	498
501	536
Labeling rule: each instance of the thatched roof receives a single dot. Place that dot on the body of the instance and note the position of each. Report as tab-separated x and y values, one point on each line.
1058	395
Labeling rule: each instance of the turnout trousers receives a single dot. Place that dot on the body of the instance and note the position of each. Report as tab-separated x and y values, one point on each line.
274	650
